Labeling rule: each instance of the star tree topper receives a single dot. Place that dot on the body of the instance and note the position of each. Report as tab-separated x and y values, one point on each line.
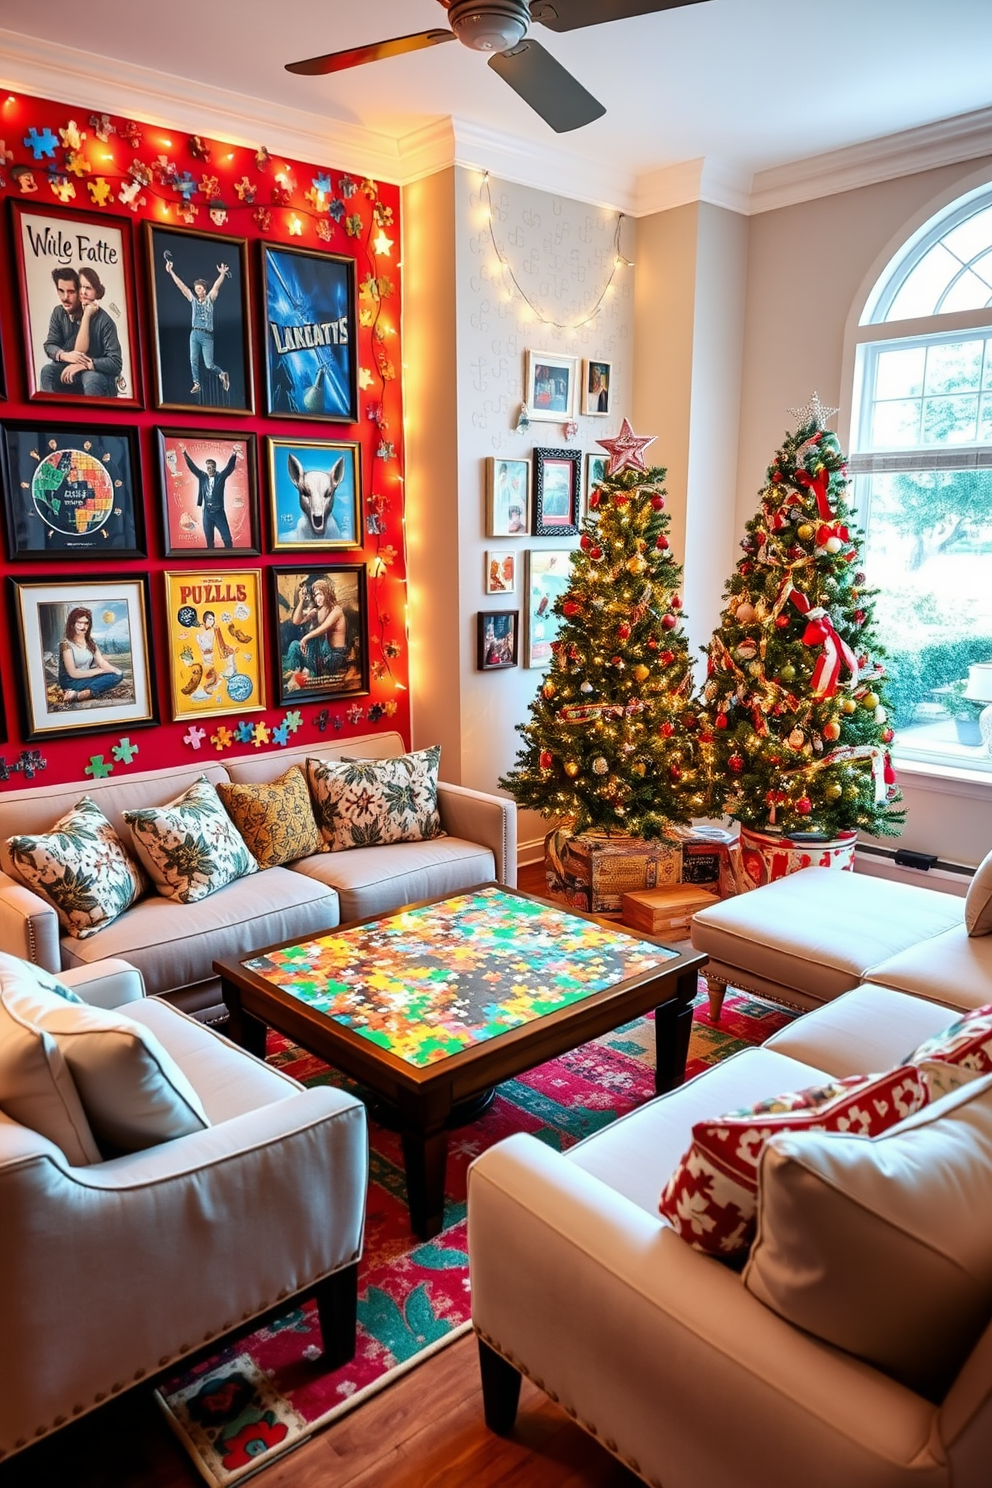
814	412
626	450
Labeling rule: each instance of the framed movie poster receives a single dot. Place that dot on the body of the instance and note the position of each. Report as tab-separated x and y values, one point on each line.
321	632
72	491
548	576
209	493
507	497
556	492
315	488
550	386
85	662
311	340
596	382
200	321
77	308
497	639
216	656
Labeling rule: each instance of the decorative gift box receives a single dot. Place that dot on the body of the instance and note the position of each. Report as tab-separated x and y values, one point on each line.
665	912
592	872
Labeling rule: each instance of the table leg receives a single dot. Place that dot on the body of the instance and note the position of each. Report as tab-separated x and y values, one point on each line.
425	1156
244	1029
672	1026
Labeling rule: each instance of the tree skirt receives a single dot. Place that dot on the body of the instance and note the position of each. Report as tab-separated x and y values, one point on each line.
268	1392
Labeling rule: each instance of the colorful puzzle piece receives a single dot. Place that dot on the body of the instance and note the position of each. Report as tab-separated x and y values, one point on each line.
280	735
186	185
76	162
294	720
295	226
101	126
375	712
124	751
365	378
355	714
210	187
128	194
198	148
245	190
262	218
98	767
194	737
222	738
63	188
245	732
100	190
336	208
71	136
322	719
40	145
260	735
324	232
389	707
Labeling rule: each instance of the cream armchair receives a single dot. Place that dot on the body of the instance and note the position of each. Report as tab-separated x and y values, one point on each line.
113	1271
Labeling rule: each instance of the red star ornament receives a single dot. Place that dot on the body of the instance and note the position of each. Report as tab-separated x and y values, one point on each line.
626	451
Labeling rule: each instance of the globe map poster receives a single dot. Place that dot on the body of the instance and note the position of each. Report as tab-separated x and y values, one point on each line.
71	492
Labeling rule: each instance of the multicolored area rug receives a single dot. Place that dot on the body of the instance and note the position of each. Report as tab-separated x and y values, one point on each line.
268	1392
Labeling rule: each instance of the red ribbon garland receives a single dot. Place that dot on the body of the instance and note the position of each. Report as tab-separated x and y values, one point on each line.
818	485
820	632
835	529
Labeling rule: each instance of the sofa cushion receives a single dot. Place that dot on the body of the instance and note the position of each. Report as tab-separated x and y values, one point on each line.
190	846
954	968
366	803
881	1247
960	1052
819	930
710	1199
36	1087
978	902
80	868
378	880
275	820
869	1028
133	1092
175	945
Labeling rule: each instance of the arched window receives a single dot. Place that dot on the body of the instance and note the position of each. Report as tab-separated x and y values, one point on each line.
922	461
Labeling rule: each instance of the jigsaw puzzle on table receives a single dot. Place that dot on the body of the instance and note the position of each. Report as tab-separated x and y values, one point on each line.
434	981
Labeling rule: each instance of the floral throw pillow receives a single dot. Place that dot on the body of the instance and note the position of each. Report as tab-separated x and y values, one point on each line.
190	846
711	1198
958	1054
276	820
80	868
367	803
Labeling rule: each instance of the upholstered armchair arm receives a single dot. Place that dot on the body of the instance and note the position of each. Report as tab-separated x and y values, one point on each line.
662	1352
106	984
29	927
260	1206
489	820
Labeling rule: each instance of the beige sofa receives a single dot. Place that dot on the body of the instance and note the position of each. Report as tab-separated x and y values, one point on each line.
174	946
112	1271
668	1357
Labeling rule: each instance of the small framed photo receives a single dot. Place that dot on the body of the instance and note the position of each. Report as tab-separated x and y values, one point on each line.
216	641
550	386
596	467
209	489
548	577
72	491
77	306
497	639
501	571
556	492
85	661
321	632
315	490
311	335
200	320
507	497
596	378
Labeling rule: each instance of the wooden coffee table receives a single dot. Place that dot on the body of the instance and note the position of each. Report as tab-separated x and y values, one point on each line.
430	1007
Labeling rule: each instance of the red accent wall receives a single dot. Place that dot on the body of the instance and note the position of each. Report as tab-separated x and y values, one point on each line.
39	159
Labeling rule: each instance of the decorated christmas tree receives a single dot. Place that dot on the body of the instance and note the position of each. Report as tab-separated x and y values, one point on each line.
612	744
795	698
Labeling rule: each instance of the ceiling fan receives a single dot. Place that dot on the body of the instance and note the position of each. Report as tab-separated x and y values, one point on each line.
500	27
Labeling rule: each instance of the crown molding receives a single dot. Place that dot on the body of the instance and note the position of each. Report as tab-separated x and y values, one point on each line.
707	179
94	83
946	142
546	167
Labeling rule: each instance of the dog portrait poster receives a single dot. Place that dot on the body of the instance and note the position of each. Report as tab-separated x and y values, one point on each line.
315	488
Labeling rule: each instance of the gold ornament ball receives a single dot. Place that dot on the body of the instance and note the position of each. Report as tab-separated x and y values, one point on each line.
833	791
599	765
870	701
847	705
641	672
696	804
637	564
549	689
804	532
571	768
638	768
787	672
831	730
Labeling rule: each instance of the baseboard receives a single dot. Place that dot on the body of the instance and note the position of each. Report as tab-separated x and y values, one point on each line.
530	852
945	878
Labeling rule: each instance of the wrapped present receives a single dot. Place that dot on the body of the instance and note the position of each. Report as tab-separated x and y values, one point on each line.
593	871
665	912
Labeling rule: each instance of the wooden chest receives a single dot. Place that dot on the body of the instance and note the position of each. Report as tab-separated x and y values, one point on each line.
665	912
593	873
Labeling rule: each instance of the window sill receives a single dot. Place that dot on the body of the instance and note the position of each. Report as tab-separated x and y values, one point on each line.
944	780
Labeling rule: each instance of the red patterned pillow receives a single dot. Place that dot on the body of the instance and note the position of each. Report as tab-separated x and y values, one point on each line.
710	1199
957	1054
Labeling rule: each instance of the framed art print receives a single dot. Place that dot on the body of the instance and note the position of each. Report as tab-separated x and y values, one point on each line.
315	491
548	575
72	491
77	306
497	639
596	467
550	386
321	633
201	329
507	497
216	642
556	492
85	662
596	381
311	343
501	571
209	492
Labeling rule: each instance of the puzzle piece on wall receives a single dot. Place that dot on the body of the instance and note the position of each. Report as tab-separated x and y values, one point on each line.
245	732
222	739
40	145
98	767
260	735
194	736
124	751
280	735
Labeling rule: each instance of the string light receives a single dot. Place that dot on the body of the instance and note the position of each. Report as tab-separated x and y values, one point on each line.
507	269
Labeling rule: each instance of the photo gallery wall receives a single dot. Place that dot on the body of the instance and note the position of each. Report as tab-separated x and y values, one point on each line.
544	497
206	560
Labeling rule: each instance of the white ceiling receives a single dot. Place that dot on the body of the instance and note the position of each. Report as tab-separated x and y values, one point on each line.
747	85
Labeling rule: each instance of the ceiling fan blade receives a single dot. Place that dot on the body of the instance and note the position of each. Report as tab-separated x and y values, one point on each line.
572	15
541	81
355	56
